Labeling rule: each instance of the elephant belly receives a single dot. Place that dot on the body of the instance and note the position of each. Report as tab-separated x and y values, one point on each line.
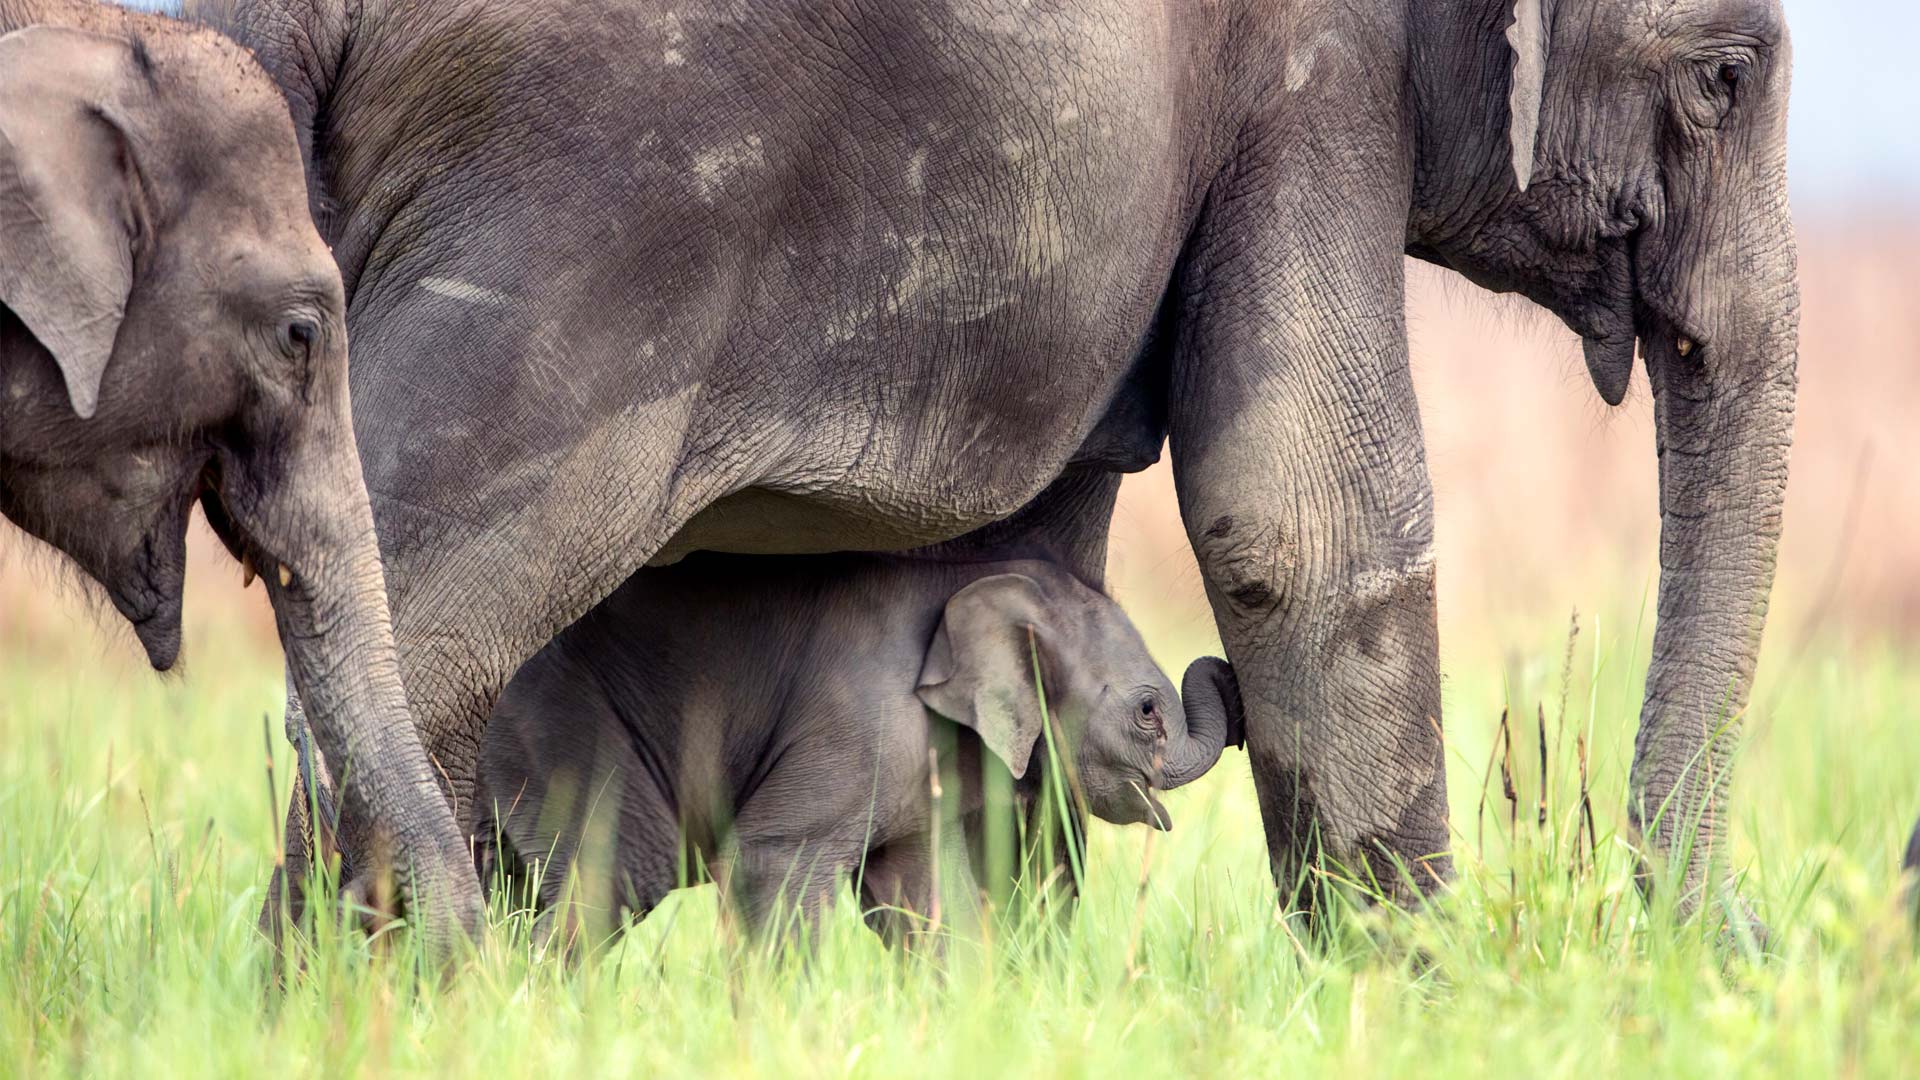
869	299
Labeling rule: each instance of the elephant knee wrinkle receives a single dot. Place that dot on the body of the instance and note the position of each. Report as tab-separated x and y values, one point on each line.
1252	564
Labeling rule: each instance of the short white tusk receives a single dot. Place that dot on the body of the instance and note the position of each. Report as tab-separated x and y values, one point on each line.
246	571
286	576
1685	346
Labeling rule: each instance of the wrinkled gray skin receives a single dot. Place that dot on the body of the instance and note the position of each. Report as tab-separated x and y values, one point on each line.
777	713
628	280
171	330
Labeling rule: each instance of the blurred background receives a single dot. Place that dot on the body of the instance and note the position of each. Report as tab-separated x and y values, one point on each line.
1545	496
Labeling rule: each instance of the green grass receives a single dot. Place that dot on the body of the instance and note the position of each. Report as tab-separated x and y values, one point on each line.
136	832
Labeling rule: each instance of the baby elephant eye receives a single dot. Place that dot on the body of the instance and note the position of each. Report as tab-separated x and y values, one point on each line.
1147	708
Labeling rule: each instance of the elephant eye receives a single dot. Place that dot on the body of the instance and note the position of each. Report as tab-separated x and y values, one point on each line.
297	336
1719	82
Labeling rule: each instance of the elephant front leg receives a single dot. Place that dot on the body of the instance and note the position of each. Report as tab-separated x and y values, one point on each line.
1299	458
309	840
1330	622
1313	528
1311	516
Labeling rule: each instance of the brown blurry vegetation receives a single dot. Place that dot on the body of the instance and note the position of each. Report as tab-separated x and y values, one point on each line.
1545	497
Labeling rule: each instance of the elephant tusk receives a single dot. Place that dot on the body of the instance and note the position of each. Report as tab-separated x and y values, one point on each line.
286	576
1685	346
247	573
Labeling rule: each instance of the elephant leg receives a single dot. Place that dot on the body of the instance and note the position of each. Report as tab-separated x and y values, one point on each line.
590	844
781	887
309	838
460	638
1037	878
1301	471
484	570
897	890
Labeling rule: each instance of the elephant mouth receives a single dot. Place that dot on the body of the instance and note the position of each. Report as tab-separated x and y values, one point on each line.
245	548
1157	815
1625	321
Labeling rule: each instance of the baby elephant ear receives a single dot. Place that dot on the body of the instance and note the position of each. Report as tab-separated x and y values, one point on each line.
67	215
980	669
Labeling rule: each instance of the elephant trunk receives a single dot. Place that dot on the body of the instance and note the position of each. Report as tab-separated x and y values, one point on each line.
308	530
1720	335
1215	717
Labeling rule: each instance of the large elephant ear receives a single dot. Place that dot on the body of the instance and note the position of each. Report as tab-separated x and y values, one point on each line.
980	670
1530	37
68	213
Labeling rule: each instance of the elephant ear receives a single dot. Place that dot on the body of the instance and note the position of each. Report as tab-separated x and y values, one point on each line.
980	670
68	214
1530	37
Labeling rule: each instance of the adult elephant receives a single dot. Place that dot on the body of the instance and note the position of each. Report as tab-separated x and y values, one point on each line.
172	330
629	279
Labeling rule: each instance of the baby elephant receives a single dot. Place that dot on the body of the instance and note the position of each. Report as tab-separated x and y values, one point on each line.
774	716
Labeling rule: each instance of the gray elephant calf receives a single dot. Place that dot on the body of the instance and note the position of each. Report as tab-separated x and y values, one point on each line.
775	716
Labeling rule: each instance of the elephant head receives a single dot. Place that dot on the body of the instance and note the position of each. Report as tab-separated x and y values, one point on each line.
172	331
1624	165
1124	729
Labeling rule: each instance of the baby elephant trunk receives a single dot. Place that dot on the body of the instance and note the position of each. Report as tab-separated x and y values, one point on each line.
1215	718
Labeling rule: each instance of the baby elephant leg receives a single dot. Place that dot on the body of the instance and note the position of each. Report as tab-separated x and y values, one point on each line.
898	895
781	887
589	856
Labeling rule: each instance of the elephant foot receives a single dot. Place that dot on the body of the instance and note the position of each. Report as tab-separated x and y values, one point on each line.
1741	928
372	901
1316	871
445	909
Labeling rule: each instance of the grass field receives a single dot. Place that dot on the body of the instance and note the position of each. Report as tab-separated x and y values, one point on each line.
137	828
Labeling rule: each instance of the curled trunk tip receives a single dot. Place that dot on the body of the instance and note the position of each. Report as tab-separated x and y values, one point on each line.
1210	697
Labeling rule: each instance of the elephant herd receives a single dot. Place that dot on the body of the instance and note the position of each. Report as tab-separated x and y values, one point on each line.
654	306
